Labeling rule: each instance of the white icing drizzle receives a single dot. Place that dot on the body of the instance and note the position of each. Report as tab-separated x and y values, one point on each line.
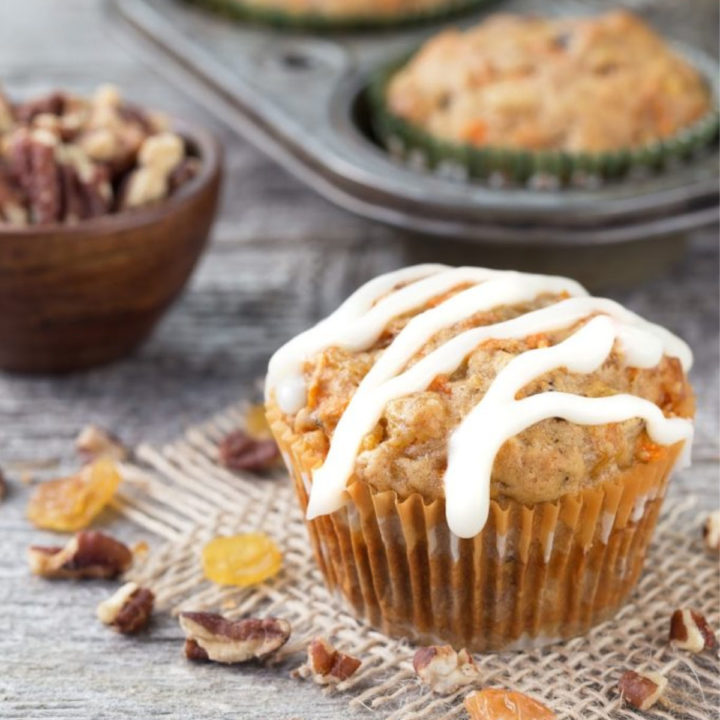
284	374
498	416
358	322
472	448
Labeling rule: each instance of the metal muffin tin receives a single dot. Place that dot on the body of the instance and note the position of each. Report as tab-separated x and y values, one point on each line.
301	99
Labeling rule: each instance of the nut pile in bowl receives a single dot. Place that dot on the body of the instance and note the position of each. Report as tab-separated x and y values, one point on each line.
66	158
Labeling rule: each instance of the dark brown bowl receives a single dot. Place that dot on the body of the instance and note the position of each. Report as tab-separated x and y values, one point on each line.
81	295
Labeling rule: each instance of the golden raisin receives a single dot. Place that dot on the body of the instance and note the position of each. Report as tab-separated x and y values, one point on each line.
499	704
256	423
241	560
70	504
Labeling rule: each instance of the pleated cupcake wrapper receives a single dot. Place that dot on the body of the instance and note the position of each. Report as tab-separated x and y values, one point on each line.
533	575
421	150
248	12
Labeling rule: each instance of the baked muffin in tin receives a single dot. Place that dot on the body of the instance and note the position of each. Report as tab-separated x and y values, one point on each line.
599	92
481	455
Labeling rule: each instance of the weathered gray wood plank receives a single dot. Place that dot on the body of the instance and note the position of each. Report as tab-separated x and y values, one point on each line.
281	257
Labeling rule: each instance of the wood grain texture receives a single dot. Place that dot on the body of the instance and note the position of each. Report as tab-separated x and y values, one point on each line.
280	257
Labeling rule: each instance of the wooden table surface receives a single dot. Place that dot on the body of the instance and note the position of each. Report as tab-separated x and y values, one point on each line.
280	258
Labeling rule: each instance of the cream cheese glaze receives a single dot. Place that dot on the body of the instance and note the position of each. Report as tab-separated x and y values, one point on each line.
360	321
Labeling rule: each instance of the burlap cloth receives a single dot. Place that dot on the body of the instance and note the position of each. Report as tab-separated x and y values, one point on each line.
181	493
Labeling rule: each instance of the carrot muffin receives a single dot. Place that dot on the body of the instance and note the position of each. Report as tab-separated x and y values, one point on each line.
481	454
570	85
326	13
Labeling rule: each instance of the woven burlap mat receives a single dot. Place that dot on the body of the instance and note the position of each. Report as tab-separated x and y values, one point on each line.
181	493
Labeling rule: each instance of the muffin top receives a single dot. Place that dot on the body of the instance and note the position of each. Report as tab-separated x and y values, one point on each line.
467	384
574	84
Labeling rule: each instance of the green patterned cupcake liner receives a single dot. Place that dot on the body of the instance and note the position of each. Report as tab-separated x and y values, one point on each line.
421	150
248	12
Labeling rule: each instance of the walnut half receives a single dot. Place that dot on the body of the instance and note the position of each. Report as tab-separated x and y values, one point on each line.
90	554
211	636
325	665
444	670
128	610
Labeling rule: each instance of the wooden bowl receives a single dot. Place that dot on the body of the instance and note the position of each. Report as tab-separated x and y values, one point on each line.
74	296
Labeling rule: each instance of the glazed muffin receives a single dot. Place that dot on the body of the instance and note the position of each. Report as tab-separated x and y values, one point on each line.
343	13
594	86
481	455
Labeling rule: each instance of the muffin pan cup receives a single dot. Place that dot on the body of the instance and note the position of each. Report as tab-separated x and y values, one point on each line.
534	575
411	143
276	17
250	77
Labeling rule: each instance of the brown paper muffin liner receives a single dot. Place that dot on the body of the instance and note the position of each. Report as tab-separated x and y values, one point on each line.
533	575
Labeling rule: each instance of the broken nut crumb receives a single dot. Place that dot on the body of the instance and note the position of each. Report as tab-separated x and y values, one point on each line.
711	532
128	610
90	554
240	451
689	630
93	441
500	704
641	689
326	665
211	636
443	670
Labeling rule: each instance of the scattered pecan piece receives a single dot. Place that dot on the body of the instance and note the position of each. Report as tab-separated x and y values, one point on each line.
444	670
499	704
210	636
689	630
239	451
711	532
128	610
3	486
90	554
326	665
93	441
641	690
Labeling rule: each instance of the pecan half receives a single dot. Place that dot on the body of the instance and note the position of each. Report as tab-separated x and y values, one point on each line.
239	451
326	665
51	104
12	201
90	554
711	532
128	610
31	156
444	670
158	156
641	689
210	636
689	630
93	441
500	704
